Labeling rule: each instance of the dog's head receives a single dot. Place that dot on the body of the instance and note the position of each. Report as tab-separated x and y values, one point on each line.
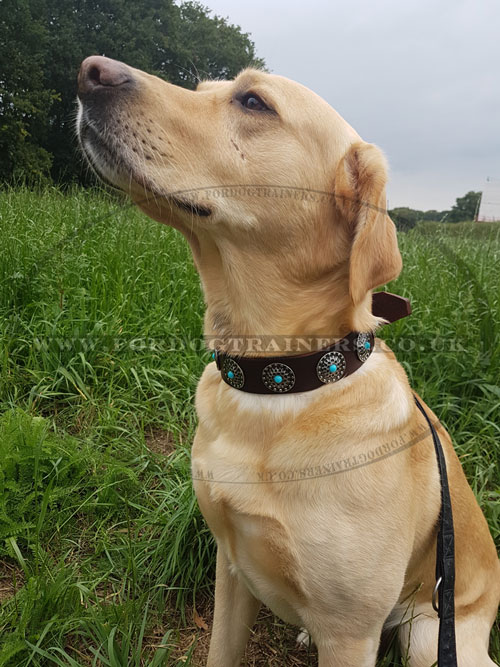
259	171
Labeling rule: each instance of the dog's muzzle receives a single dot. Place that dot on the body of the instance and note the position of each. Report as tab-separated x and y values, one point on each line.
104	88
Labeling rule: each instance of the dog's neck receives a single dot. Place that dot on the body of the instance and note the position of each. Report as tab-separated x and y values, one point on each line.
258	305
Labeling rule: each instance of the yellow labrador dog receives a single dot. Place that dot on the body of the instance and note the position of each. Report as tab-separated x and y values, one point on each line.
283	206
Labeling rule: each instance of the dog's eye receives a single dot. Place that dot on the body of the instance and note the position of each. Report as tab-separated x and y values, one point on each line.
253	102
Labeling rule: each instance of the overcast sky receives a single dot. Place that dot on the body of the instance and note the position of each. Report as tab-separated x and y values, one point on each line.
421	79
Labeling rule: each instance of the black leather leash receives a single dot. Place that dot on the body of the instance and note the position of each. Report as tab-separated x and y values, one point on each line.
445	561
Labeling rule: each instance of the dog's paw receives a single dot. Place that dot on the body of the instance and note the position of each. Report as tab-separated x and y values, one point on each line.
304	639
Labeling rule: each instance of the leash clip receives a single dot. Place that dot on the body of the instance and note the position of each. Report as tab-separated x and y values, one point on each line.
434	595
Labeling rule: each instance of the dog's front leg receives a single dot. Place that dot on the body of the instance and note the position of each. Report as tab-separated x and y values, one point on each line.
348	652
235	612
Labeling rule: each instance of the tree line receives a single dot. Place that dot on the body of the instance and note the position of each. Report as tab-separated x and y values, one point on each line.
42	43
465	208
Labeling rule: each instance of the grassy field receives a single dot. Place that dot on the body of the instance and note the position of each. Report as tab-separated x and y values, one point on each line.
104	557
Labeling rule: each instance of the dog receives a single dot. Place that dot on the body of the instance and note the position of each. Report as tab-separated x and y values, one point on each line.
283	206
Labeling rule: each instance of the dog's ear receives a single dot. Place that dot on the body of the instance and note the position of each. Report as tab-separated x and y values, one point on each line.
360	182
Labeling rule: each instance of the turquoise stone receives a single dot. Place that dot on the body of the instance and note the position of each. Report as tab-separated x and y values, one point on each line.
333	368
367	345
278	379
230	375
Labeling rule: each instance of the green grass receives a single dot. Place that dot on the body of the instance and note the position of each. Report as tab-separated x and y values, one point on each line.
100	343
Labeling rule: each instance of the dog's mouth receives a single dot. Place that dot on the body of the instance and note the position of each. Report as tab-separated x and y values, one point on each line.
116	165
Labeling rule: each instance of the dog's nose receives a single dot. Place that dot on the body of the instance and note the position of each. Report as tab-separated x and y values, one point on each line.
100	73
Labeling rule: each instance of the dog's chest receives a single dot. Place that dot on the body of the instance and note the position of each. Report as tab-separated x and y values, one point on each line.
295	522
260	548
292	542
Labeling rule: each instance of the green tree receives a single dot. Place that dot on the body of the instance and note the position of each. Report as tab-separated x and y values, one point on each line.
25	100
405	218
177	42
434	215
465	207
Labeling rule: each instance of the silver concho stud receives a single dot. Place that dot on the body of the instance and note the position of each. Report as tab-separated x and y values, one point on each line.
232	373
331	367
278	378
364	346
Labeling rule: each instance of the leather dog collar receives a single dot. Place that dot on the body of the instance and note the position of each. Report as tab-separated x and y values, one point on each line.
305	372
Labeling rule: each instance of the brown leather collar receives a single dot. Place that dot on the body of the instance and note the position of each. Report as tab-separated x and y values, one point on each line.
304	372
